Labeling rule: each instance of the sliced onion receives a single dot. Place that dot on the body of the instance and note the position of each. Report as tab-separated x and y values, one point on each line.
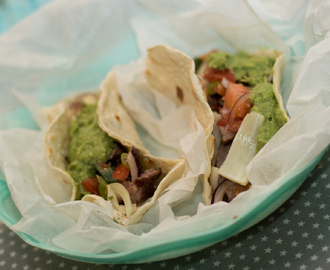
224	111
95	199
238	103
217	135
123	158
134	163
227	191
214	177
122	193
242	150
218	194
224	82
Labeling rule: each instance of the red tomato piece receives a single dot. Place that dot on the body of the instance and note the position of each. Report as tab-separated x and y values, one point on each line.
214	75
91	185
235	125
120	173
239	108
222	122
232	127
233	93
224	119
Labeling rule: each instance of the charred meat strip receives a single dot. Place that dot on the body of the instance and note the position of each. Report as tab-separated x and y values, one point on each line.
149	174
227	191
141	191
222	153
142	185
114	158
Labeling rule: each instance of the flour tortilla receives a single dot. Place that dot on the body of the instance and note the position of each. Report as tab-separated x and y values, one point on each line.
172	73
115	120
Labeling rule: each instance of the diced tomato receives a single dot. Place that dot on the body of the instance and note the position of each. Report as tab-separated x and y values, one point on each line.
120	173
235	124
239	108
233	93
214	75
219	89
232	127
91	185
222	122
224	119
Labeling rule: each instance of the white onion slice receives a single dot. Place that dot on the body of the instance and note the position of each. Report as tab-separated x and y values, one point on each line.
224	82
122	192
214	178
132	166
243	149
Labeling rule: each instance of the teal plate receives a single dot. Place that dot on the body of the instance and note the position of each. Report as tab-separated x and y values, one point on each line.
172	248
10	215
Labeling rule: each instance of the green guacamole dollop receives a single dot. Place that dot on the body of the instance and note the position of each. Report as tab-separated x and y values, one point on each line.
88	144
247	68
265	103
254	70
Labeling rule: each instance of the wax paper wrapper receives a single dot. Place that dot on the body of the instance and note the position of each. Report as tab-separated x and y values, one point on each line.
42	62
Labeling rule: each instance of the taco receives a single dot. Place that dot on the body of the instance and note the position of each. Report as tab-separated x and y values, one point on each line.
237	100
92	142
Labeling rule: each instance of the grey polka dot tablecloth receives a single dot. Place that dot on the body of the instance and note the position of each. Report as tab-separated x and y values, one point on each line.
295	236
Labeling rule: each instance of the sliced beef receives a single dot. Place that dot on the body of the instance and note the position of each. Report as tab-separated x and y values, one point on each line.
149	174
227	191
131	188
221	156
143	187
144	192
115	156
215	102
227	136
222	153
140	193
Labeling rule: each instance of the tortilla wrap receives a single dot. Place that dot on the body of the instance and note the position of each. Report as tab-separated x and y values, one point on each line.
118	124
172	73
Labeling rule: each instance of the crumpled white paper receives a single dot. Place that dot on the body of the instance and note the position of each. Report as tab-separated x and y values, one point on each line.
48	56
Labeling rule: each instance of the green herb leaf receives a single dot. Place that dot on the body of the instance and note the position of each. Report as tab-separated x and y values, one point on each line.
210	89
198	62
123	158
103	190
106	173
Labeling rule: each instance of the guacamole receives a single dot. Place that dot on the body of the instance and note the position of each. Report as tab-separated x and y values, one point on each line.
88	145
254	70
265	103
247	68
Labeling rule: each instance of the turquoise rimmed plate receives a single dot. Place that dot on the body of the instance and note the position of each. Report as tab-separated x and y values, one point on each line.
167	249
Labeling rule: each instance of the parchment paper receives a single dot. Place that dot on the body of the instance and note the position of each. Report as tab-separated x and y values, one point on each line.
45	61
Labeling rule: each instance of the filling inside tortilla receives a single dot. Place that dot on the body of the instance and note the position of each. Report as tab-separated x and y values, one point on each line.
97	160
238	87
